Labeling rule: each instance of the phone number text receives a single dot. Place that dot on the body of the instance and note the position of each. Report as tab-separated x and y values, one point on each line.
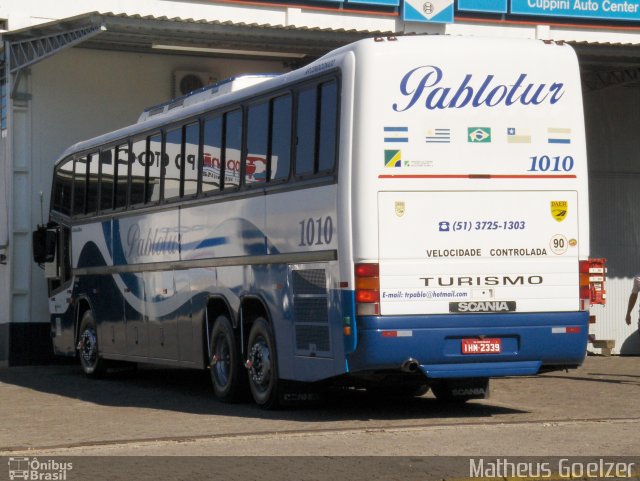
465	225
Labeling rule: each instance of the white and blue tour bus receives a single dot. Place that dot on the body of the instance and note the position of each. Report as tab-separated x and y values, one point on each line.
401	214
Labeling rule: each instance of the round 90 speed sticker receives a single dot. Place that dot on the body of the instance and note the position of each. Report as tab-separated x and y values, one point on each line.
558	244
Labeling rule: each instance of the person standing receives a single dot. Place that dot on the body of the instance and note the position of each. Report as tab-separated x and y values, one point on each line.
633	297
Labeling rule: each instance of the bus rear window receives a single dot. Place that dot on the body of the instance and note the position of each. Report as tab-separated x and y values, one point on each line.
317	129
328	126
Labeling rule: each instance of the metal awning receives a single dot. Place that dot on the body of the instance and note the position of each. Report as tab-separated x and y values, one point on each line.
134	33
603	64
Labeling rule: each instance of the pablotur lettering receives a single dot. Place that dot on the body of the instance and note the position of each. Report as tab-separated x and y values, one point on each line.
426	84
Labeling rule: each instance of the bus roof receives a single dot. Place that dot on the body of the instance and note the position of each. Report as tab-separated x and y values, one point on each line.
224	92
226	86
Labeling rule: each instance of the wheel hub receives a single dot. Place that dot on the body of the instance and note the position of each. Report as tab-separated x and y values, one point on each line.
221	361
87	346
259	363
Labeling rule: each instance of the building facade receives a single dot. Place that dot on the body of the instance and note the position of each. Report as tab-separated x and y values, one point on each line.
72	70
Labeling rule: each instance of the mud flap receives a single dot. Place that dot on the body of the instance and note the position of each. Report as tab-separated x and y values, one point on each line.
293	393
461	389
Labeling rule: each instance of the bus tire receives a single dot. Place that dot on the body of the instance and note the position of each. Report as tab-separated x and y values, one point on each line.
262	365
91	362
226	373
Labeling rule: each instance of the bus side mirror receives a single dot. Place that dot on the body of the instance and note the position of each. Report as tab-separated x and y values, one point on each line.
44	245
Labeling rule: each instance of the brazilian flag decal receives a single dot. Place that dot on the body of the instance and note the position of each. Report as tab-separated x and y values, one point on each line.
392	158
479	135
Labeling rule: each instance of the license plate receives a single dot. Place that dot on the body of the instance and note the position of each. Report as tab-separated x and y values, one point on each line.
481	346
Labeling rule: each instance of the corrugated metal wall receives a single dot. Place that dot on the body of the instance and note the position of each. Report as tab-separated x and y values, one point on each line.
613	145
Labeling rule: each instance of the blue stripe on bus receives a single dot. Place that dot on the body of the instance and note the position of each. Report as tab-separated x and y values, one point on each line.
119	258
106	229
211	242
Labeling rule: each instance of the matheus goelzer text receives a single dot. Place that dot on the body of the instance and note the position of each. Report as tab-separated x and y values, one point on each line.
562	467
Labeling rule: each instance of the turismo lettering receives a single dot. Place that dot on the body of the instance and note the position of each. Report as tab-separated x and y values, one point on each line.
425	84
481	281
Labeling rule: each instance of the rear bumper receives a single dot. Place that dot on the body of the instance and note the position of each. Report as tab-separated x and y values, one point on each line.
529	341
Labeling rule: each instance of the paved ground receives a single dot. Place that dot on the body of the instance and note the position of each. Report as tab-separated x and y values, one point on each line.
55	411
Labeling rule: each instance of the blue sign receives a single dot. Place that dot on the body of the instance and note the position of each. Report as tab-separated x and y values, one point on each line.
489	6
436	11
596	9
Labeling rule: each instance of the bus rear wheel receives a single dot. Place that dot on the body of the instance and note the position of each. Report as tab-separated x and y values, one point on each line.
262	365
226	376
92	364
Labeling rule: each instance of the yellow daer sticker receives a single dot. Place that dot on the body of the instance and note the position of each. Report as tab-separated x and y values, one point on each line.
559	209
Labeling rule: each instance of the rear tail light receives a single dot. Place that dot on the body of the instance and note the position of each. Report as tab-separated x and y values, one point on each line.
367	289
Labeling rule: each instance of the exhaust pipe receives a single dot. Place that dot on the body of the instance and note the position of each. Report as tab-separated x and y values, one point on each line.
410	365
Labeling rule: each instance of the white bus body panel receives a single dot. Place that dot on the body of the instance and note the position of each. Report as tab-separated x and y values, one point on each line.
477	171
477	246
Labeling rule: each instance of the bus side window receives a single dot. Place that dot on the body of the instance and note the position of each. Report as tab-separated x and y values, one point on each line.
92	185
106	179
122	175
79	185
62	187
306	131
154	154
191	146
138	164
257	143
232	146
280	156
328	126
173	161
211	155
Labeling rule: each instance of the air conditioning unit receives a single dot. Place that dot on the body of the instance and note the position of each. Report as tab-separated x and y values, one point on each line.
185	81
